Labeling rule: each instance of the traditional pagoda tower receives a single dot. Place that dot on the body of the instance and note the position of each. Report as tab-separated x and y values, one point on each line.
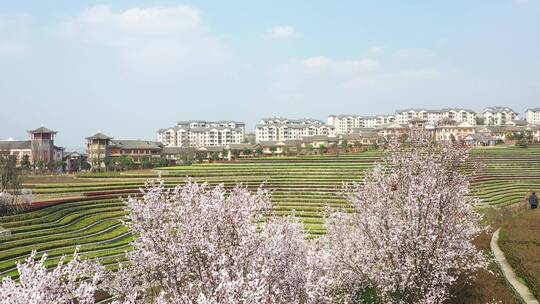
42	144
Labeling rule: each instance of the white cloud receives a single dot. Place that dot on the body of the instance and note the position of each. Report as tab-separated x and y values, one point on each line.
355	85
375	49
280	32
360	65
151	35
316	62
411	54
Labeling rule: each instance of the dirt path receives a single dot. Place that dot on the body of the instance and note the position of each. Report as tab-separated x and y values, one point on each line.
521	289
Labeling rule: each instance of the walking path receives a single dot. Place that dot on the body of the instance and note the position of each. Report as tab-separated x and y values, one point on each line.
521	289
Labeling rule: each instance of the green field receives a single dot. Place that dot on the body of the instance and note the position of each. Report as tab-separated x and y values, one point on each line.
304	184
506	174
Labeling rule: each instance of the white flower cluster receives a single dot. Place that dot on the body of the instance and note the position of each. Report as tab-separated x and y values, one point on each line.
407	241
62	285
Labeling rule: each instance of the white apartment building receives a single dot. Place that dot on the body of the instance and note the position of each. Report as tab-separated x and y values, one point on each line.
533	116
433	116
344	124
274	129
200	133
497	116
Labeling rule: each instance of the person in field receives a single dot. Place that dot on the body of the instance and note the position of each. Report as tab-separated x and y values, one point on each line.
533	200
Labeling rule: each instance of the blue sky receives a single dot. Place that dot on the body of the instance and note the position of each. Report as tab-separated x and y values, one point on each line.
128	68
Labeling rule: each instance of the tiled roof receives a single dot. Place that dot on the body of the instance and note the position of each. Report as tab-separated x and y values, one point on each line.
240	146
361	116
498	109
175	150
42	130
272	143
444	110
15	144
136	144
98	136
319	138
482	137
295	126
211	149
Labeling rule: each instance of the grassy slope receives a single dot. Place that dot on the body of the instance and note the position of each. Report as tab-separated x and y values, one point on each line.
520	241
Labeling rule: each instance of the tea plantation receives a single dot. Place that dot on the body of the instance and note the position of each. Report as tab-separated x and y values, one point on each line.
92	217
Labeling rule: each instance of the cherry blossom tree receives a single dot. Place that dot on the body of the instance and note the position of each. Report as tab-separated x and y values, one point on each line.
409	236
198	244
72	282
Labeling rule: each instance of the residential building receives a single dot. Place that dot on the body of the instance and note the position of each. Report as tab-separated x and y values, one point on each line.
533	116
433	116
279	129
391	131
344	124
102	148
39	148
199	133
448	130
498	116
317	141
358	139
500	132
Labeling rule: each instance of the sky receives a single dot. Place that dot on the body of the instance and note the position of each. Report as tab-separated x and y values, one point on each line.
128	68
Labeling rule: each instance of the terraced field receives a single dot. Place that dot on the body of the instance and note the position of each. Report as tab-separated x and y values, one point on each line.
506	174
304	184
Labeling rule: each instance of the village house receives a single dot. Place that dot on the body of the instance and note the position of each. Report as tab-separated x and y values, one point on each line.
317	141
240	150
391	131
273	147
449	130
358	139
480	139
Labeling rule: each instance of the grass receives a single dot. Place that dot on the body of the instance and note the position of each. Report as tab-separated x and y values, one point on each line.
520	241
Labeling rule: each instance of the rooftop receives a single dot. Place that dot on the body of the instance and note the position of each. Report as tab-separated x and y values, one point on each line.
15	144
136	144
498	109
42	130
444	110
98	136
